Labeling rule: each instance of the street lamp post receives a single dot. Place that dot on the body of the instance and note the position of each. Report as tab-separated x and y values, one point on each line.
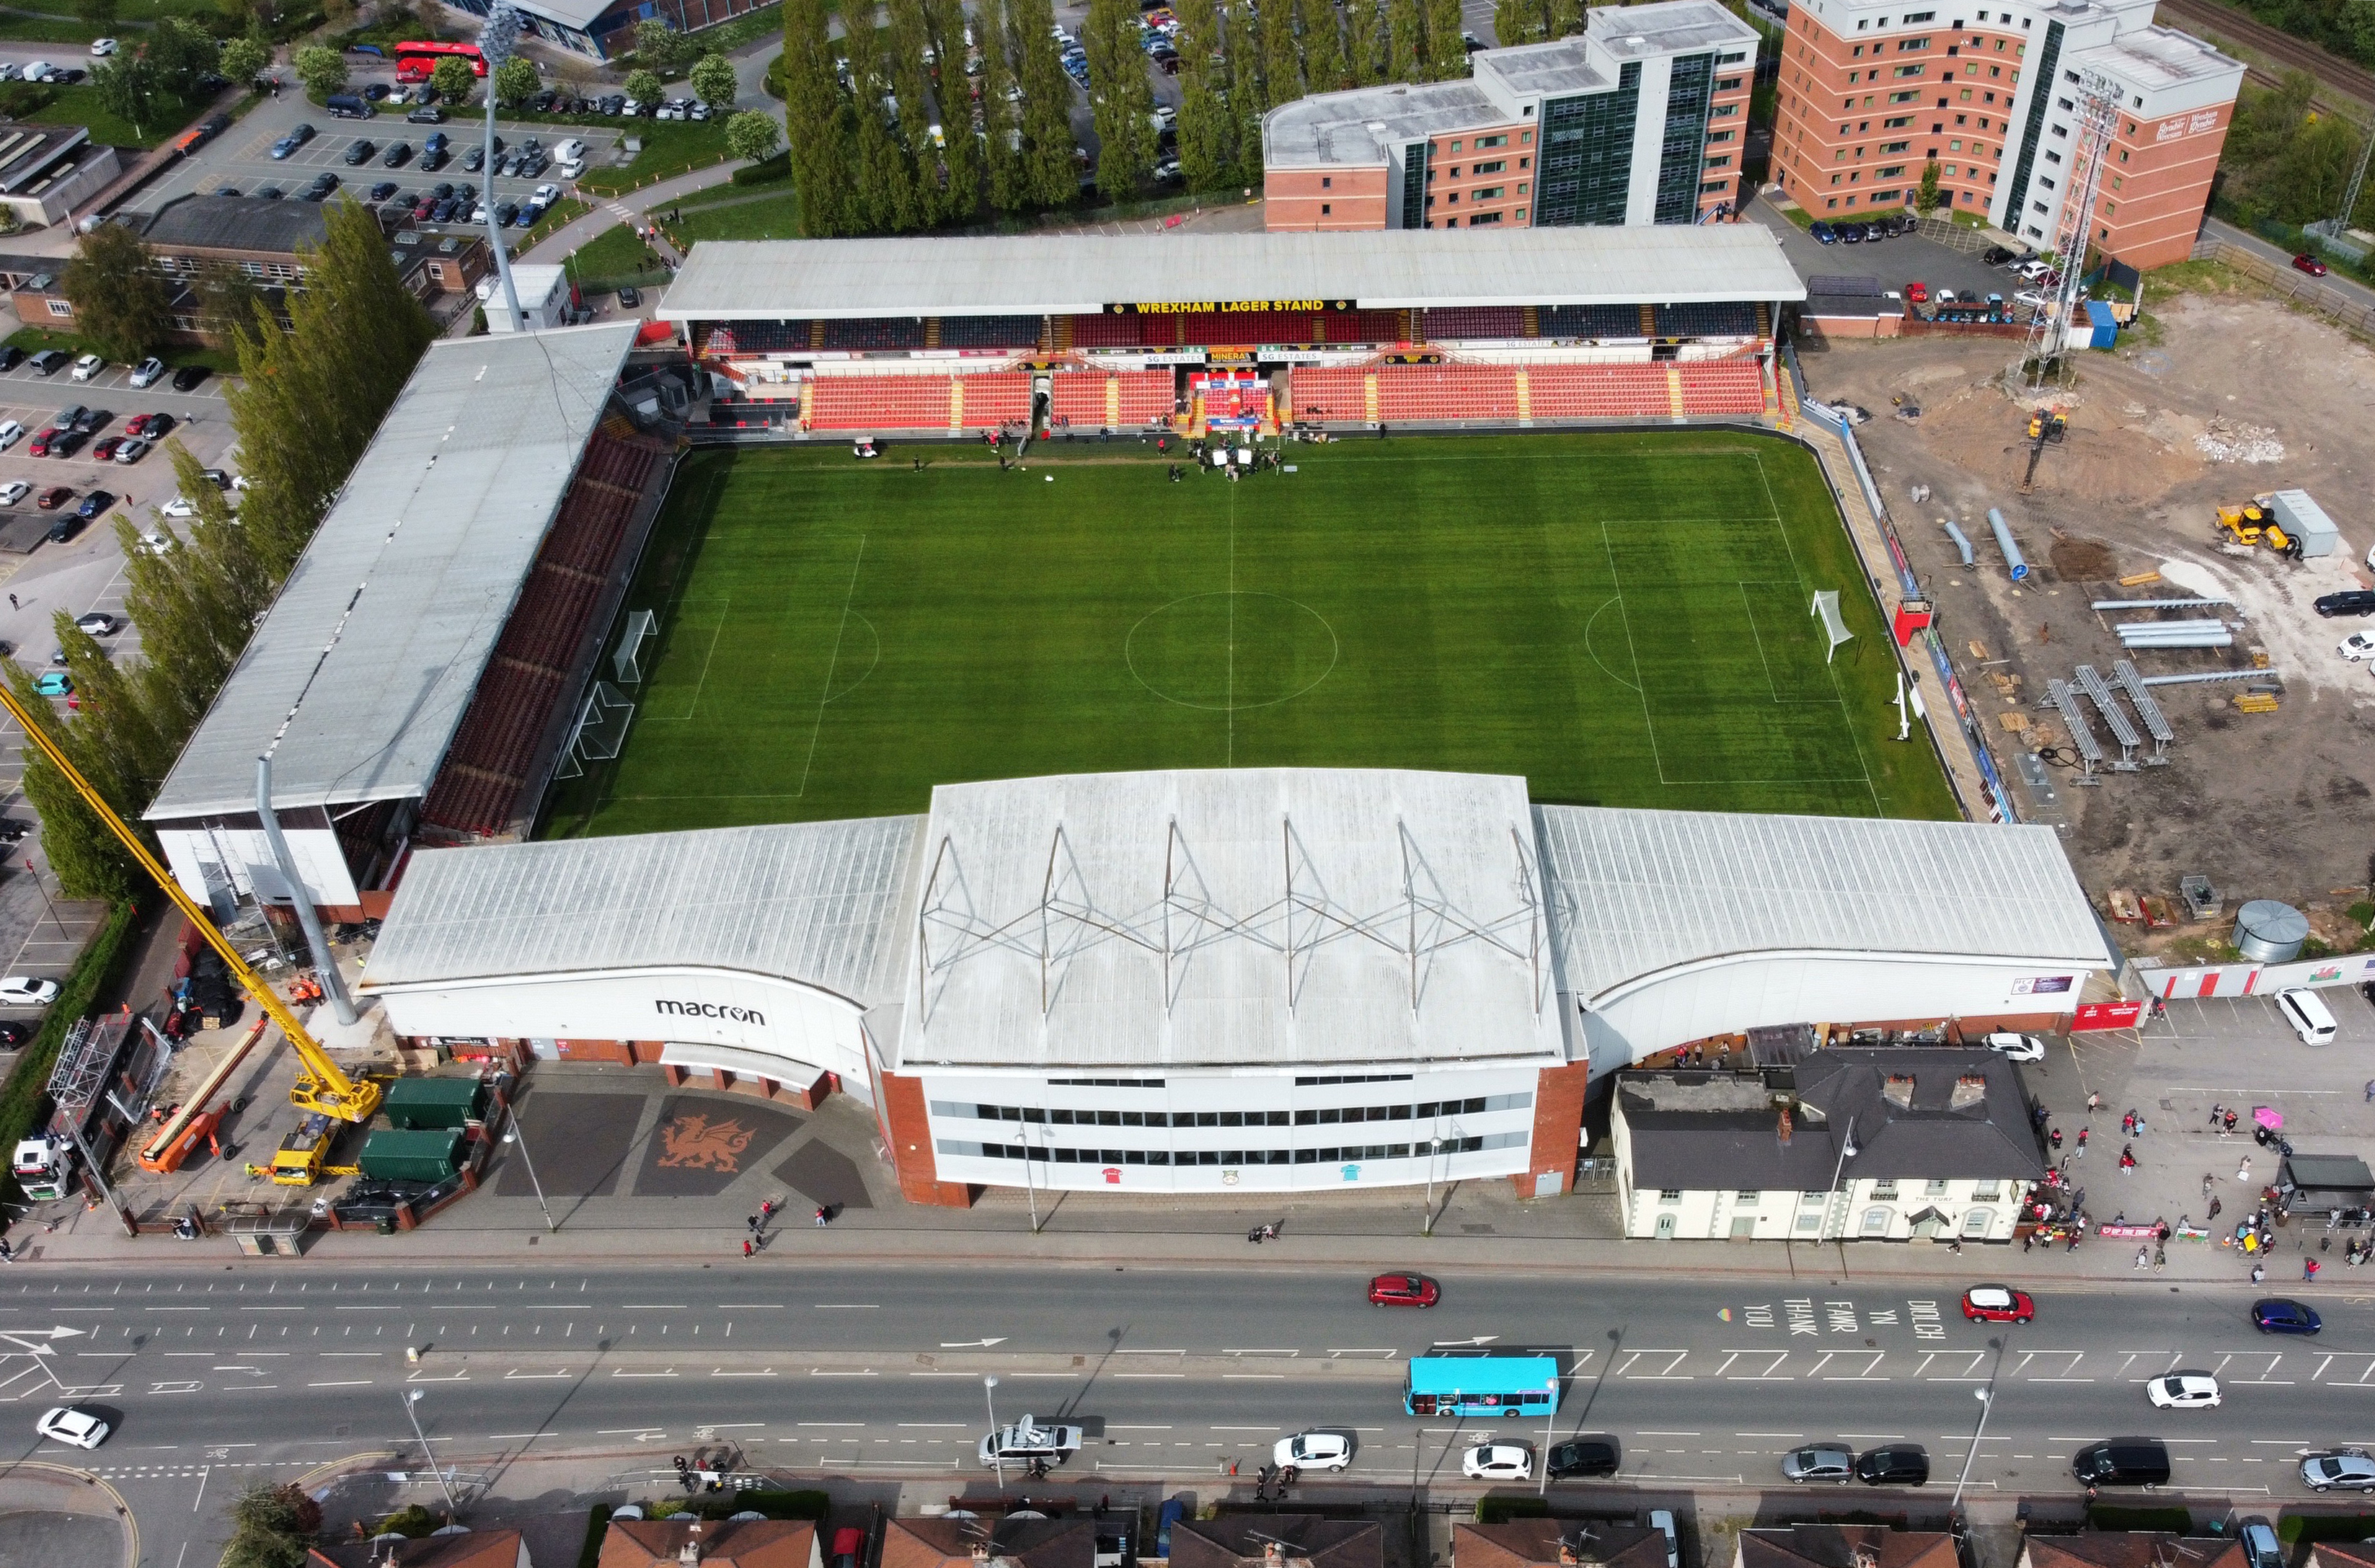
1434	1148
1846	1152
512	1134
412	1397
1986	1399
996	1453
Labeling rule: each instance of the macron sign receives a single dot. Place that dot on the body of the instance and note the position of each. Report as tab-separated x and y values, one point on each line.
710	1009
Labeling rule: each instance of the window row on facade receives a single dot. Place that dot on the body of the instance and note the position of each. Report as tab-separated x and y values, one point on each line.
1474	1144
1325	1116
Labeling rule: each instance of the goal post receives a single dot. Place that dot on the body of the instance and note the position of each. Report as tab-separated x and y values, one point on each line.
1826	606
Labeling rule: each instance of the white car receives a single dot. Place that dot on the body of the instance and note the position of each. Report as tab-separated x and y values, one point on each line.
2033	299
101	48
149	372
2357	645
546	195
68	1424
1663	1521
178	508
2183	1391
24	991
1313	1451
88	366
1498	1462
154	543
2016	1047
39	70
11	432
14	492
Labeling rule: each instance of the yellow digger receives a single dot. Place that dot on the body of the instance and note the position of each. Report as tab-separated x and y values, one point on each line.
2249	523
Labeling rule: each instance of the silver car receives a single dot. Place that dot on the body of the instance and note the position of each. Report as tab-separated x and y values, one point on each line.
1819	1462
2339	1467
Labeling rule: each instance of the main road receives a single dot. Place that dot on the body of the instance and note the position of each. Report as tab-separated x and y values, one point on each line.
1172	1373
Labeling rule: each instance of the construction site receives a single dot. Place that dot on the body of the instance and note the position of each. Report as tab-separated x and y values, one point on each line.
2155	557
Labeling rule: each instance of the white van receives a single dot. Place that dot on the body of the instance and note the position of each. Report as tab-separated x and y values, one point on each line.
570	151
2305	1011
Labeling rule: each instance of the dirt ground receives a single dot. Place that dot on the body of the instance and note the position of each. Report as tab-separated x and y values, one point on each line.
2241	398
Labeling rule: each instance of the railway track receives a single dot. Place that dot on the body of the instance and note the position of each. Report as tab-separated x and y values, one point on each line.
2347	86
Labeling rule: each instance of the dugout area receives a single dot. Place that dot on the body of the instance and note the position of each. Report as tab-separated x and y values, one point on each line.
1623	619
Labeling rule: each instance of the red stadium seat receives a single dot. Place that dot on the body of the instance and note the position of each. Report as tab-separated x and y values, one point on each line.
1597	392
1446	392
884	403
993	399
1336	394
1723	386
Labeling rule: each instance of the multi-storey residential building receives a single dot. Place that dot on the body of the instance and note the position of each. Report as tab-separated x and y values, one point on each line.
1871	92
1640	119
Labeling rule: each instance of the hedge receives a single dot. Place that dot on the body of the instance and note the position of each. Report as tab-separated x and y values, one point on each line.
597	1525
24	1099
1501	1510
810	1505
2325	1527
2174	1518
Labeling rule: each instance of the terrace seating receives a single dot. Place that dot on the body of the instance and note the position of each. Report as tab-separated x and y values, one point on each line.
989	332
1361	326
1724	386
1473	320
874	331
867	403
1245	326
1078	397
1146	394
996	398
1115	332
1331	393
731	338
1590	320
1597	392
1706	321
1446	392
478	787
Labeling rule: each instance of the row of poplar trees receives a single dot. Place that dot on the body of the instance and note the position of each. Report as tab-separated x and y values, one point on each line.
305	406
866	163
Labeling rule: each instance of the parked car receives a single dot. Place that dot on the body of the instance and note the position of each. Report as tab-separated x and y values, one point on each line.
189	378
298	136
2350	601
101	48
95	502
179	508
383	190
10	356
87	421
54	496
149	372
47	362
98	623
67	442
359	150
26	991
1819	1462
71	1424
131	449
324	184
1582	1457
104	451
2260	1549
430	162
1894	1464
397	155
88	366
41	443
2339	1467
11	432
270	192
2358	645
504	213
474	159
2016	1047
1995	255
2122	1461
1917	292
1313	1451
426	115
1498	1462
1404	1289
2183	1391
1997	1304
15	491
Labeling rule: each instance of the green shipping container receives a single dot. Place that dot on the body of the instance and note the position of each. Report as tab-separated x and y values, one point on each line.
393	1154
413	1103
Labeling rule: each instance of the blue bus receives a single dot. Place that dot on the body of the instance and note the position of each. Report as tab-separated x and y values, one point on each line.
1481	1383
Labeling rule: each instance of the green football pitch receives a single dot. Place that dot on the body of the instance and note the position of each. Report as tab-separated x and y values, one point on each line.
1621	618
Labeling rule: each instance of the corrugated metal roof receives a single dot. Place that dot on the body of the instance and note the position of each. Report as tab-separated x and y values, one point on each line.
413	573
1638	892
1083	273
812	901
1253	975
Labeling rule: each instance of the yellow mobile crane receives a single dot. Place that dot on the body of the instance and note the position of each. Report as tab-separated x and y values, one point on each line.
326	1094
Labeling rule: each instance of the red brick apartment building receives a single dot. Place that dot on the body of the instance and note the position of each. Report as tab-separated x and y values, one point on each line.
1871	92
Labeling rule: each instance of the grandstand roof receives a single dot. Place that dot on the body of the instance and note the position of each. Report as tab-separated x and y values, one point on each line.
1229	917
1087	274
408	581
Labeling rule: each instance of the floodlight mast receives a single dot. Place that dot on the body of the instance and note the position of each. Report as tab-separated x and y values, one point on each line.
496	42
2097	98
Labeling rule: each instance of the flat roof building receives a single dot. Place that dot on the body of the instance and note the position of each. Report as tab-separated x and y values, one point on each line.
1640	119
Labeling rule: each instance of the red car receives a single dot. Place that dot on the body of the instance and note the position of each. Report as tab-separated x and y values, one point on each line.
2309	264
1917	292
149	425
105	451
1997	1304
1404	1289
42	442
54	496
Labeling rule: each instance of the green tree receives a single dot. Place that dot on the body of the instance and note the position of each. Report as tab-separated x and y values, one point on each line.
1365	53
455	81
1519	21
308	400
196	607
180	52
816	122
887	182
85	857
644	86
964	125
661	48
1047	146
1281	61
123	306
127	86
1323	47
1206	133
1926	198
754	135
97	15
1121	98
244	60
1566	18
516	82
324	71
1001	125
1446	51
228	299
903	48
1405	45
714	82
269	1529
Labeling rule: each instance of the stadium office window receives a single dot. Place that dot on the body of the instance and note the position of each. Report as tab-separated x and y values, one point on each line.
1325	208
1326	183
1483	219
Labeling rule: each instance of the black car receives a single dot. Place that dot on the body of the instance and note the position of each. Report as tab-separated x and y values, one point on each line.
430	162
2350	601
1995	255
383	190
631	298
268	192
66	443
426	116
13	830
49	361
13	1036
474	160
504	213
323	184
359	150
397	155
93	504
228	191
11	357
1583	1457
189	377
377	92
89	421
1898	1464
67	526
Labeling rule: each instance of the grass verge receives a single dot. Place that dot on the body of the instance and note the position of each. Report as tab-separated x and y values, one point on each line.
769	218
24	1099
613	258
670	149
556	216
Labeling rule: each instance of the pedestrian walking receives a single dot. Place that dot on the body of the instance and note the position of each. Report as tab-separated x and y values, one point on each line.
820	1217
2140	1126
2082	1138
2094	1103
2308	1269
2027	1239
2243	1171
753	1222
2371	1087
7	1253
2371	1082
745	1246
2228	1120
2144	1259
2160	1258
2128	1125
2258	1272
2217	1110
2127	1159
2206	1180
2215	1206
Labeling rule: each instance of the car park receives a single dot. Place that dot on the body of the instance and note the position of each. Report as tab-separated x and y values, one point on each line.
189	378
2350	601
1997	1304
15	491
1894	1464
1498	1462
1313	1451
2275	1314
71	1424
131	449
1404	1289
149	372
88	366
2183	1391
54	496
2349	1467
1819	1462
93	504
2016	1047
26	991
1582	1457
2309	264
98	623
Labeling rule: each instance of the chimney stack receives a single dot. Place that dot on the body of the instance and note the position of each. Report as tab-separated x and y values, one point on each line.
689	1554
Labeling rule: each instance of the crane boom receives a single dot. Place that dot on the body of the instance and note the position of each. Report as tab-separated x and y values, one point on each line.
322	1087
